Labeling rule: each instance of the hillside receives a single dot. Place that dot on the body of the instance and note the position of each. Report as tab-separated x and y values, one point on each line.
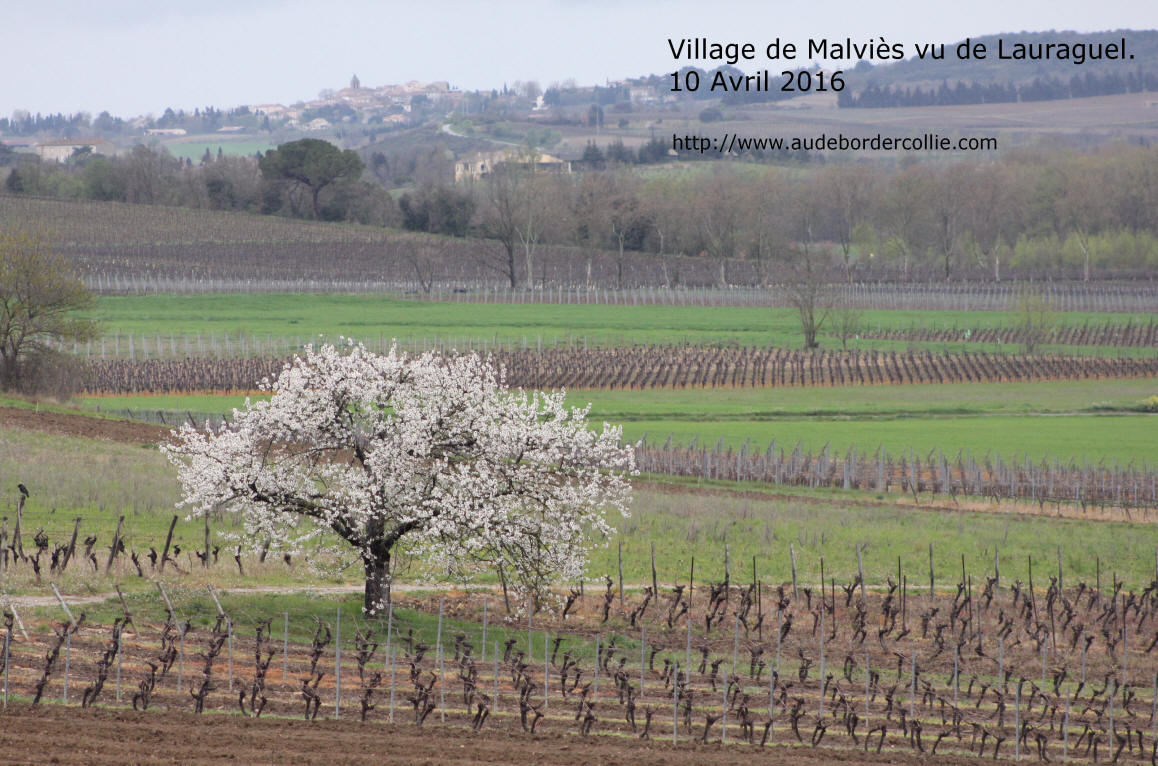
1141	44
1023	67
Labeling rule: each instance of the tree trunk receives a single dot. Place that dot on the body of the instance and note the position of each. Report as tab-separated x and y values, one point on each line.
377	593
619	266
512	264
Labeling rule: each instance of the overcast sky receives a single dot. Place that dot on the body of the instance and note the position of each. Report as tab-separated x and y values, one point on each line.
135	57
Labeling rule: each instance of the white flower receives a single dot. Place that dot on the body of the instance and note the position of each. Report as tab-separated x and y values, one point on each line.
433	453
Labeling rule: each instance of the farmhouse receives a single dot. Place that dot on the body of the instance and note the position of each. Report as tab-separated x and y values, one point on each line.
273	111
60	149
318	123
481	164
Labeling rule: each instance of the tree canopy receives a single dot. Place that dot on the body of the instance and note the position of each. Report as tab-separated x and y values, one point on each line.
314	163
433	455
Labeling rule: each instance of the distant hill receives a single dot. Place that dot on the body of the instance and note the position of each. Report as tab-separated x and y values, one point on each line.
1142	44
932	82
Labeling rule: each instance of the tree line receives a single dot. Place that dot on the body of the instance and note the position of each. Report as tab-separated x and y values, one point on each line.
1032	210
152	176
1047	88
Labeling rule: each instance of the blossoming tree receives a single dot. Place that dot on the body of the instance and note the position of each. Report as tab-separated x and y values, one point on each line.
432	454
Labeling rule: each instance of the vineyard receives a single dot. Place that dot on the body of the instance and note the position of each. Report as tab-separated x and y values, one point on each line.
991	666
886	296
1045	481
652	367
771	458
1040	483
122	248
1122	335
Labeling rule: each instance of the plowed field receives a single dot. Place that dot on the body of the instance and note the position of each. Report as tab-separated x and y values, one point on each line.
54	734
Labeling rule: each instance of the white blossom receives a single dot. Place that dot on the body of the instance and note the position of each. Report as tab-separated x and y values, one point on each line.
436	454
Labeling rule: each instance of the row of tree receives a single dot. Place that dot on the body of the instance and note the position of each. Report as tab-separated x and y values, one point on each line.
1036	209
1039	89
303	179
207	120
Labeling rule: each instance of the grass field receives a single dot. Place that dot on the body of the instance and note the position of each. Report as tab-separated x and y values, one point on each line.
686	526
371	317
767	404
997	418
1092	438
105	480
195	147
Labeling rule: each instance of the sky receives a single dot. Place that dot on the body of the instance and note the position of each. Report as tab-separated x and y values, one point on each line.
134	57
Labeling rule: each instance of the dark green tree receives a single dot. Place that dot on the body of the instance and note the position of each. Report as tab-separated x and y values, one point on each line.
312	163
592	156
437	210
620	154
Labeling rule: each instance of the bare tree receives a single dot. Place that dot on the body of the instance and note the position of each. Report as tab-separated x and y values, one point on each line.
513	213
904	213
39	298
846	323
1083	208
150	174
627	219
845	193
608	212
424	257
1036	320
994	204
808	293
764	230
719	209
665	205
806	288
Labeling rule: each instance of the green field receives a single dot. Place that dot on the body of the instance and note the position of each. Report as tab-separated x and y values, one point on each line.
1059	419
1065	397
106	480
1092	438
195	148
374	319
1082	420
686	526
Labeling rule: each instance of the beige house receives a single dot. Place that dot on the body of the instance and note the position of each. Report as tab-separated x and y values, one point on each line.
480	164
318	123
60	149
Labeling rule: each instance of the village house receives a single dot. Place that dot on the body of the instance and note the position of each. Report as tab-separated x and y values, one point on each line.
480	164
60	149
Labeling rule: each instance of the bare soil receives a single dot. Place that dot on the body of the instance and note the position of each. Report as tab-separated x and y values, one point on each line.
70	735
62	424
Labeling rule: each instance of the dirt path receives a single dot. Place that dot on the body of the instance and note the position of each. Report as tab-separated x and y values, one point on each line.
55	734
